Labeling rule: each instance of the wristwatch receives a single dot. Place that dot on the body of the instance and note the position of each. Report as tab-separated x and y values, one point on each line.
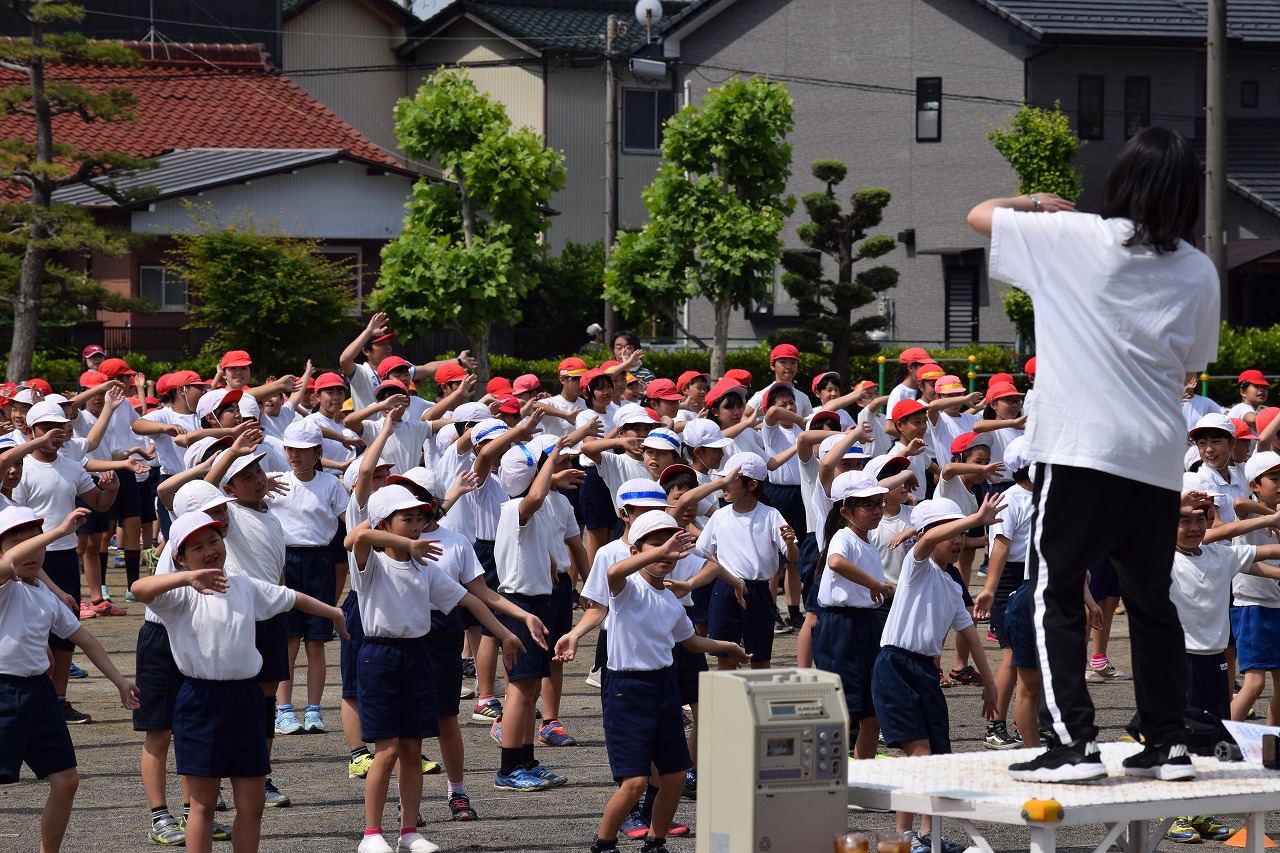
1036	205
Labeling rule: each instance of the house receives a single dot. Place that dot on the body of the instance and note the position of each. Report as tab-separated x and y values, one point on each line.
232	135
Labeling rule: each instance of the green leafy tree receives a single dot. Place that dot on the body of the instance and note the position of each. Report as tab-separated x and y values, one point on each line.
827	306
570	288
40	164
716	210
1041	147
260	290
468	251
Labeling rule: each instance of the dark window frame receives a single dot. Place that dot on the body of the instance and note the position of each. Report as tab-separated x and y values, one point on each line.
1136	116
929	101
629	94
168	278
1091	109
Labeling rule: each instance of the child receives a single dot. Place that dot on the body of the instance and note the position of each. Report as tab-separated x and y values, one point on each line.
726	408
1215	437
1253	387
1002	421
907	387
595	498
784	361
561	410
911	421
219	719
641	703
1255	611
927	604
826	388
694	386
31	724
894	530
746	538
782	427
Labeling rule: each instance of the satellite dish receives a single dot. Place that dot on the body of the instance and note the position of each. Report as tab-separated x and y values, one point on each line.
648	12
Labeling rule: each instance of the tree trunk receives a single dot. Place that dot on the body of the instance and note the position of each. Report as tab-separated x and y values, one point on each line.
480	352
720	345
468	218
26	307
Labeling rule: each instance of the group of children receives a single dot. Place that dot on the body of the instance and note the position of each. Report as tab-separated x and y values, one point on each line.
673	513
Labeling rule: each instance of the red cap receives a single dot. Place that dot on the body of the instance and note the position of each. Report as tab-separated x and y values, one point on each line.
508	403
183	377
498	385
907	408
965	440
114	368
893	465
235	358
162	384
1243	433
451	372
823	415
591	375
525	382
1264	417
40	385
929	371
389	364
864	385
153	402
92	349
724	386
913	355
688	376
572	366
1253	377
381	339
999	379
821	377
394	384
1030	367
329	380
742	377
663	389
672	470
1002	390
784	351
92	379
656	417
605	365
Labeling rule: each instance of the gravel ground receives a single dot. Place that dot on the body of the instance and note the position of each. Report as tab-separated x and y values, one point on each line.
327	814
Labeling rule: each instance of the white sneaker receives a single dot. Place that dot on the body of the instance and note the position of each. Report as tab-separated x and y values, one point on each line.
375	844
415	842
593	678
1107	673
468	692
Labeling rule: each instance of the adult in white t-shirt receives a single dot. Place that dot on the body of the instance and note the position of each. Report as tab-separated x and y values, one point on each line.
1126	309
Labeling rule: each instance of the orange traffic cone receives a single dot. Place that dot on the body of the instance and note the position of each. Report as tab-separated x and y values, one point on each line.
1238	840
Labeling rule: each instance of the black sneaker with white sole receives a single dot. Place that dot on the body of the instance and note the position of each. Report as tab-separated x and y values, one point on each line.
1169	763
1074	762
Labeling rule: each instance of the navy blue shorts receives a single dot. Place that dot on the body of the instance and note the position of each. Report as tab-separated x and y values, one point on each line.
397	689
338	553
701	604
350	649
157	677
162	513
850	643
1207	685
128	503
534	661
560	609
1103	580
1257	631
63	568
1010	580
790	502
1020	629
809	590
271	639
642	723
147	497
95	522
596	502
688	665
484	554
904	688
807	562
32	730
445	646
753	627
219	729
310	570
954	574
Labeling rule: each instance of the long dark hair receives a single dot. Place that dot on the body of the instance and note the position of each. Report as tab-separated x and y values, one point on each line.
830	528
1155	182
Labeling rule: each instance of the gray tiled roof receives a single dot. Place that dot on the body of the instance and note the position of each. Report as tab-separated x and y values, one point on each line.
572	25
1253	170
1251	21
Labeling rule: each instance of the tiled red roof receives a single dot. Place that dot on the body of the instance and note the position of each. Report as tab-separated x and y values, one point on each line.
197	96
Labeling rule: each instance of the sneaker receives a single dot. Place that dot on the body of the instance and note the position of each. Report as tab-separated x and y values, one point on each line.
1169	763
495	731
129	598
77	672
968	675
105	608
358	767
991	636
469	668
635	826
460	808
72	716
943	681
690	789
655	845
553	733
519	780
415	842
780	626
312	722
221	804
166	830
1107	673
796	622
487	711
998	737
1182	832
106	593
923	843
553	779
1210	829
374	844
275	799
686	721
419	822
217	831
87	612
593	678
1074	762
468	691
287	722
429	767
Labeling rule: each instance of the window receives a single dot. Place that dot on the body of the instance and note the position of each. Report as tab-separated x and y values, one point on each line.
643	112
1090	106
1249	94
163	286
928	109
348	257
1137	104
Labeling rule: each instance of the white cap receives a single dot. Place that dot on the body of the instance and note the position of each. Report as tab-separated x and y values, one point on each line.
302	434
198	496
352	473
249	408
594	329
45	412
652	522
641	492
517	469
1261	463
420	477
388	500
1191	457
55	398
211	401
855	451
196	451
631	413
545	443
487	429
855	484
750	466
1215	421
23	395
933	511
16	516
240	463
470	412
703	432
1015	455
1192	482
877	465
662	438
185	525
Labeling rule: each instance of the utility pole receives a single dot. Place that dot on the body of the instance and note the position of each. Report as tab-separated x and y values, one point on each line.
1215	166
610	168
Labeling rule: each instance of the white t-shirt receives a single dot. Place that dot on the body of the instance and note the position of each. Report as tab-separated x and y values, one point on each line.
816	503
835	590
257	542
50	489
1112	323
275	425
919	465
559	426
606	426
566	523
947	430
745	543
899	393
334	450
804	406
880	441
647	623
29	613
1000	439
459	560
748	441
523	553
167	452
596	586
1239	410
1213	480
778	438
310	510
362	381
404	447
1015	524
616	469
212	636
926	605
1192	410
955	489
397	597
1201	590
1252	590
880	536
